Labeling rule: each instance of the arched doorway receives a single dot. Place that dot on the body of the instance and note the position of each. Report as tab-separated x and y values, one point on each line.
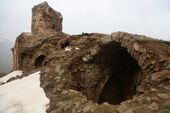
109	76
39	61
124	70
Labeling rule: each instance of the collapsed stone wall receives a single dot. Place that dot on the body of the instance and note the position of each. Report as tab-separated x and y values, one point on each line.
89	72
97	73
96	68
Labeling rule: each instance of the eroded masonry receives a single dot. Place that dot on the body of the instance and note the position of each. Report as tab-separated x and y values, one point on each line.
94	72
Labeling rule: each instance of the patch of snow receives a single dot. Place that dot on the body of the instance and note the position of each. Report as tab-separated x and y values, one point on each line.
10	75
68	48
23	96
77	48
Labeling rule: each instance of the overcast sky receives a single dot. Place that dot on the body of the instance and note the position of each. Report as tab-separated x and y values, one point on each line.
147	17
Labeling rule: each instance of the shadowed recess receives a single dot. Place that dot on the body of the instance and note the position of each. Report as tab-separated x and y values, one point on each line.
124	72
39	61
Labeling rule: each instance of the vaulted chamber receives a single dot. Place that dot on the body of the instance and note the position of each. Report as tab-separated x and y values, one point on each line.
122	80
113	77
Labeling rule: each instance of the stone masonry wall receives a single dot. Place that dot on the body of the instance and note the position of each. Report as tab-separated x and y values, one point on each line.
45	19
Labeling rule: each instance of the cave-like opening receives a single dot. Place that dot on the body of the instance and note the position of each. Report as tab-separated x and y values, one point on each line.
111	75
124	71
39	61
65	44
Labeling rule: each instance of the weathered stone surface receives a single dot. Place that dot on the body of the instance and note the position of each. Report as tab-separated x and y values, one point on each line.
136	46
160	75
45	19
122	108
163	96
140	89
153	106
155	99
167	104
164	111
167	88
153	89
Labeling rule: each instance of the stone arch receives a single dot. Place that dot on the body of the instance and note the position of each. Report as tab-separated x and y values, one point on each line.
120	84
39	61
111	75
134	48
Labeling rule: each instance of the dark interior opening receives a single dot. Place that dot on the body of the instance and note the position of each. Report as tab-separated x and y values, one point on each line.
23	55
111	75
39	61
65	44
53	27
124	70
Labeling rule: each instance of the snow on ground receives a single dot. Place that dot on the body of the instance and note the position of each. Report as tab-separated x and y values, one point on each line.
12	74
77	48
23	96
68	48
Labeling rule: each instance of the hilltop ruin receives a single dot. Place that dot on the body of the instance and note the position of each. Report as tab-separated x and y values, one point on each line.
94	72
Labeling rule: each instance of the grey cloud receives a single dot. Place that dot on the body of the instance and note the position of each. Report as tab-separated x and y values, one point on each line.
148	17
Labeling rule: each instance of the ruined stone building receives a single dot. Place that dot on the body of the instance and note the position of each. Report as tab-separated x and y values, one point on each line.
94	72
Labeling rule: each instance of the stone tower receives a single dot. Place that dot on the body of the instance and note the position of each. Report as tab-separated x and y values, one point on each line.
45	19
